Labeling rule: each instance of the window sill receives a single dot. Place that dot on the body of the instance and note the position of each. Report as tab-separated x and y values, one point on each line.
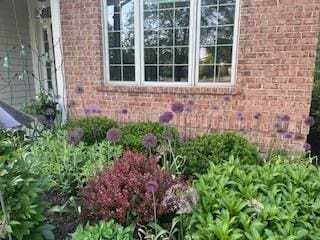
172	90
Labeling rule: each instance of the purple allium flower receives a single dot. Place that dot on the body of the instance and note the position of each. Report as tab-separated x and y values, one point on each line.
285	118
166	117
215	107
307	146
79	90
151	186
188	108
288	135
298	136
240	116
114	134
227	98
281	130
177	107
257	115
124	111
150	141
74	137
180	199
309	121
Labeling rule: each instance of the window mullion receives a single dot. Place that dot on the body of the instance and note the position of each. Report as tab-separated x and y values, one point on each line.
138	39
196	41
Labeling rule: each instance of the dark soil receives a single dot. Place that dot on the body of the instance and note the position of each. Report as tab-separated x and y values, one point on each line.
65	222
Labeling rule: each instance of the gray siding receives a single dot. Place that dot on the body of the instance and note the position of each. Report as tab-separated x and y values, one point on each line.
20	91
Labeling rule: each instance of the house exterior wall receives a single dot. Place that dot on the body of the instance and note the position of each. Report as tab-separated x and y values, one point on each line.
10	47
276	59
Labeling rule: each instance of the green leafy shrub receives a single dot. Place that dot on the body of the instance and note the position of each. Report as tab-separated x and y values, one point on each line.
103	231
240	201
133	134
22	192
216	148
95	128
69	166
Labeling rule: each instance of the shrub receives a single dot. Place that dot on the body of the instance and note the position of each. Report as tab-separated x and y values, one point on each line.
133	134
216	148
22	192
120	192
69	166
94	128
240	201
103	231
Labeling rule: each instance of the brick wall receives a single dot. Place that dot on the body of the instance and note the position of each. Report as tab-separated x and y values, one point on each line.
276	61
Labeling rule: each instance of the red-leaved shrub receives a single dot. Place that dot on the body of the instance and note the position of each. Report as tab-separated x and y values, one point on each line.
120	192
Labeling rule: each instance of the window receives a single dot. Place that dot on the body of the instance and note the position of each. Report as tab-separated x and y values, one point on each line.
164	42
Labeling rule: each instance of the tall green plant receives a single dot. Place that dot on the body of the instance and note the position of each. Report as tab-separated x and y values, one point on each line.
23	210
69	166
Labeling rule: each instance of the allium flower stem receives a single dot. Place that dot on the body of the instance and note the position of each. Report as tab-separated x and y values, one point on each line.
154	209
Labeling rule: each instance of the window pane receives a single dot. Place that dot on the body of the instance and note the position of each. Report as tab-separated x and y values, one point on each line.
115	73
182	37
166	37
224	54
151	20
115	56
151	55
114	39
208	36
223	73
182	17
165	74
151	74
209	16
128	73
207	55
166	19
128	56
165	56
226	14
127	39
206	73
166	29
181	74
225	35
181	55
150	38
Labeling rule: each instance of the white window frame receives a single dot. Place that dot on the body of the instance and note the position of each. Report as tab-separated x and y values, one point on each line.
194	49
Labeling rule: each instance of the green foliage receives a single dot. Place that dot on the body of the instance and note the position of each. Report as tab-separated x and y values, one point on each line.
103	231
68	166
240	201
22	192
216	148
95	128
133	133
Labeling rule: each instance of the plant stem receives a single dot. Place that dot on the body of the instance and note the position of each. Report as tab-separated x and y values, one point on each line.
154	209
5	215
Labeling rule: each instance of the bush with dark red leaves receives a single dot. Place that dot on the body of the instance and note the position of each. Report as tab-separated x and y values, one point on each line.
120	192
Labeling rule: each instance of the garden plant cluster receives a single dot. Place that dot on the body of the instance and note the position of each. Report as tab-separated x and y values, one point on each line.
93	179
